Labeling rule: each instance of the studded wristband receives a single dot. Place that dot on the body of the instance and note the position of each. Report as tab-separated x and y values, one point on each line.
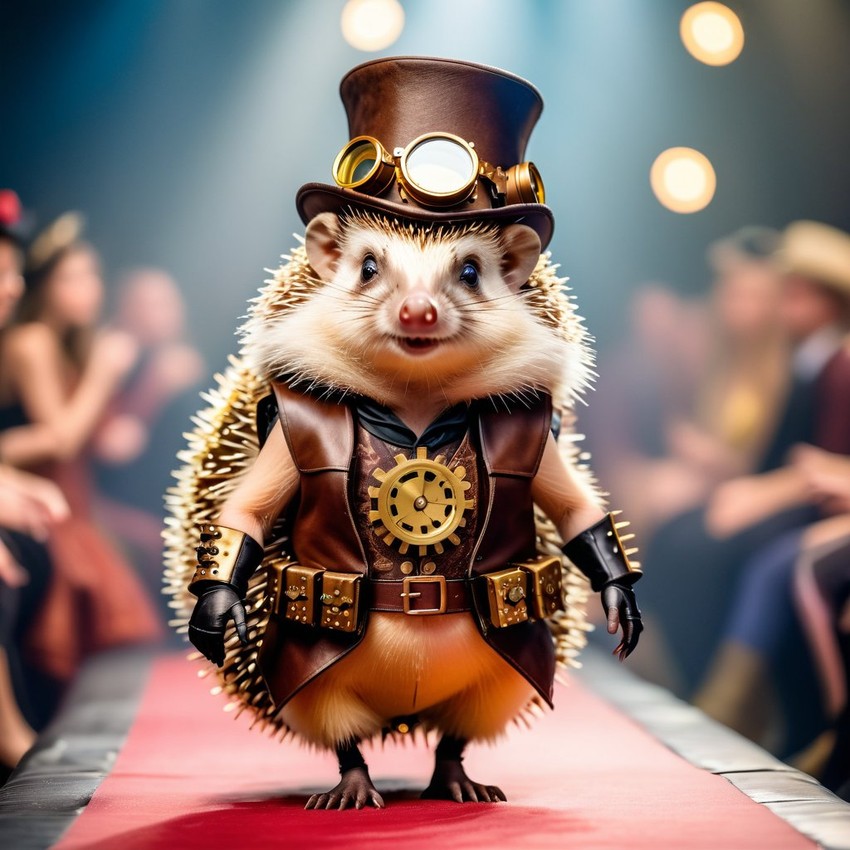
599	553
225	556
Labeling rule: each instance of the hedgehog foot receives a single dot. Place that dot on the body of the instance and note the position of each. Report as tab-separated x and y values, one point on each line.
450	782
355	790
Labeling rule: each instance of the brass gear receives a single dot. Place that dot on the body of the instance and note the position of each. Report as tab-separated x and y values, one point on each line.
420	502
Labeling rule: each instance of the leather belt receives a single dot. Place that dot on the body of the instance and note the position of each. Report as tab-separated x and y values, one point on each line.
420	595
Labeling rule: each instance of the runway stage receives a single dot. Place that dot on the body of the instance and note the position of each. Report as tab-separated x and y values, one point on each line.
587	775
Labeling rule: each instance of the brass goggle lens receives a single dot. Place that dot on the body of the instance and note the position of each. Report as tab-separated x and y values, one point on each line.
363	164
529	184
437	170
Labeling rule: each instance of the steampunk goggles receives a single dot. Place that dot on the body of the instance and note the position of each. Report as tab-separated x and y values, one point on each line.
435	170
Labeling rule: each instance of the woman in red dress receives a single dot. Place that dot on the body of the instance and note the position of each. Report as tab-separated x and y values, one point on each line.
58	372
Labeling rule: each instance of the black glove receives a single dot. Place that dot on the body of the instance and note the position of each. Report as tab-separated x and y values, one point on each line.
227	559
209	619
621	609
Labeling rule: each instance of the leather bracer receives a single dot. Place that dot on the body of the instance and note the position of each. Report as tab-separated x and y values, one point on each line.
599	553
225	556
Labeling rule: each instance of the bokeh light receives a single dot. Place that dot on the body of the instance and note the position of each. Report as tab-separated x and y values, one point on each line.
372	24
712	33
683	180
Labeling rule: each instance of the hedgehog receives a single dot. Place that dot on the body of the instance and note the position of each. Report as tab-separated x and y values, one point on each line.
396	523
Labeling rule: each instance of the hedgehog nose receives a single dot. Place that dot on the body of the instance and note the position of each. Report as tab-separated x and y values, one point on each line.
418	312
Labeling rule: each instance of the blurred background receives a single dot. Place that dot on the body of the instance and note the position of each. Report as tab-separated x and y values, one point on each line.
183	129
678	143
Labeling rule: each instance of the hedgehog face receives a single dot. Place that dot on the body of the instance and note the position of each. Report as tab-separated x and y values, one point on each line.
421	304
402	310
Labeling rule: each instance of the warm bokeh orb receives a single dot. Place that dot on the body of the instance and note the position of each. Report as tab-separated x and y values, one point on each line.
372	24
712	33
683	180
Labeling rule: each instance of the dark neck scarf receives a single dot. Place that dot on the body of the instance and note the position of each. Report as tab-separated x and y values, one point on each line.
381	422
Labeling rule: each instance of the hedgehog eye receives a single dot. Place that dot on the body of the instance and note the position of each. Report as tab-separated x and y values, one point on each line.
469	274
369	269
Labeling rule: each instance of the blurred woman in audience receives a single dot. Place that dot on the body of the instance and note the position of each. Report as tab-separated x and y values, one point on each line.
698	388
745	378
692	399
57	375
29	508
644	386
137	447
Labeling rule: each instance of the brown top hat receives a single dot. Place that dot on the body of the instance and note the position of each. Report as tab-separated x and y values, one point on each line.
396	102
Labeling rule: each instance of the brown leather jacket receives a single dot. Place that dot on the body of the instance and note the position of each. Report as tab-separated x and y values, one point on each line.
509	439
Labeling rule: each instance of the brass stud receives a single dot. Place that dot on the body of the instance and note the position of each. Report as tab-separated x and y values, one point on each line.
407	568
429	567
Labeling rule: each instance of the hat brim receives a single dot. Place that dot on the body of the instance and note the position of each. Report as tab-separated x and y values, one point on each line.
315	198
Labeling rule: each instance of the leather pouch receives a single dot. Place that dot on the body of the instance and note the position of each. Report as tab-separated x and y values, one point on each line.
275	582
301	591
544	574
507	592
340	598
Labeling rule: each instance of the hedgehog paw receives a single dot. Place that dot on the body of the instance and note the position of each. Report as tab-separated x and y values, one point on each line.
355	790
450	782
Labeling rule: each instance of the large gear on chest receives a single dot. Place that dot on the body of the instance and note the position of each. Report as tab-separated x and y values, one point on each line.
420	503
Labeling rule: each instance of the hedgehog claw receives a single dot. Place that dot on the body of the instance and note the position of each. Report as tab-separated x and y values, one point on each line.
355	790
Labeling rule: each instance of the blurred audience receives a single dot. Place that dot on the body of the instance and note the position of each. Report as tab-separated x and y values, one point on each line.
744	380
822	594
29	507
695	561
58	373
641	391
136	448
691	399
762	682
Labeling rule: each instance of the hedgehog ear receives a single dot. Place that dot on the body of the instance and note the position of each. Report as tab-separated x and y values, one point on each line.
322	244
520	253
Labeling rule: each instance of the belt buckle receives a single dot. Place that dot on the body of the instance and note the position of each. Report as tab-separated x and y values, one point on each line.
407	594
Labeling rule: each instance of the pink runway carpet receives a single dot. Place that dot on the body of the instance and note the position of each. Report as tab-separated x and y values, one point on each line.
585	776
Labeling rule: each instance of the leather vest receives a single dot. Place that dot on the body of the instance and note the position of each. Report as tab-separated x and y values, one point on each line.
507	441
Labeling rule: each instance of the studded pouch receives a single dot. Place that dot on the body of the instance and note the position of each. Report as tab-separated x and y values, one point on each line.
544	585
340	596
507	592
300	593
